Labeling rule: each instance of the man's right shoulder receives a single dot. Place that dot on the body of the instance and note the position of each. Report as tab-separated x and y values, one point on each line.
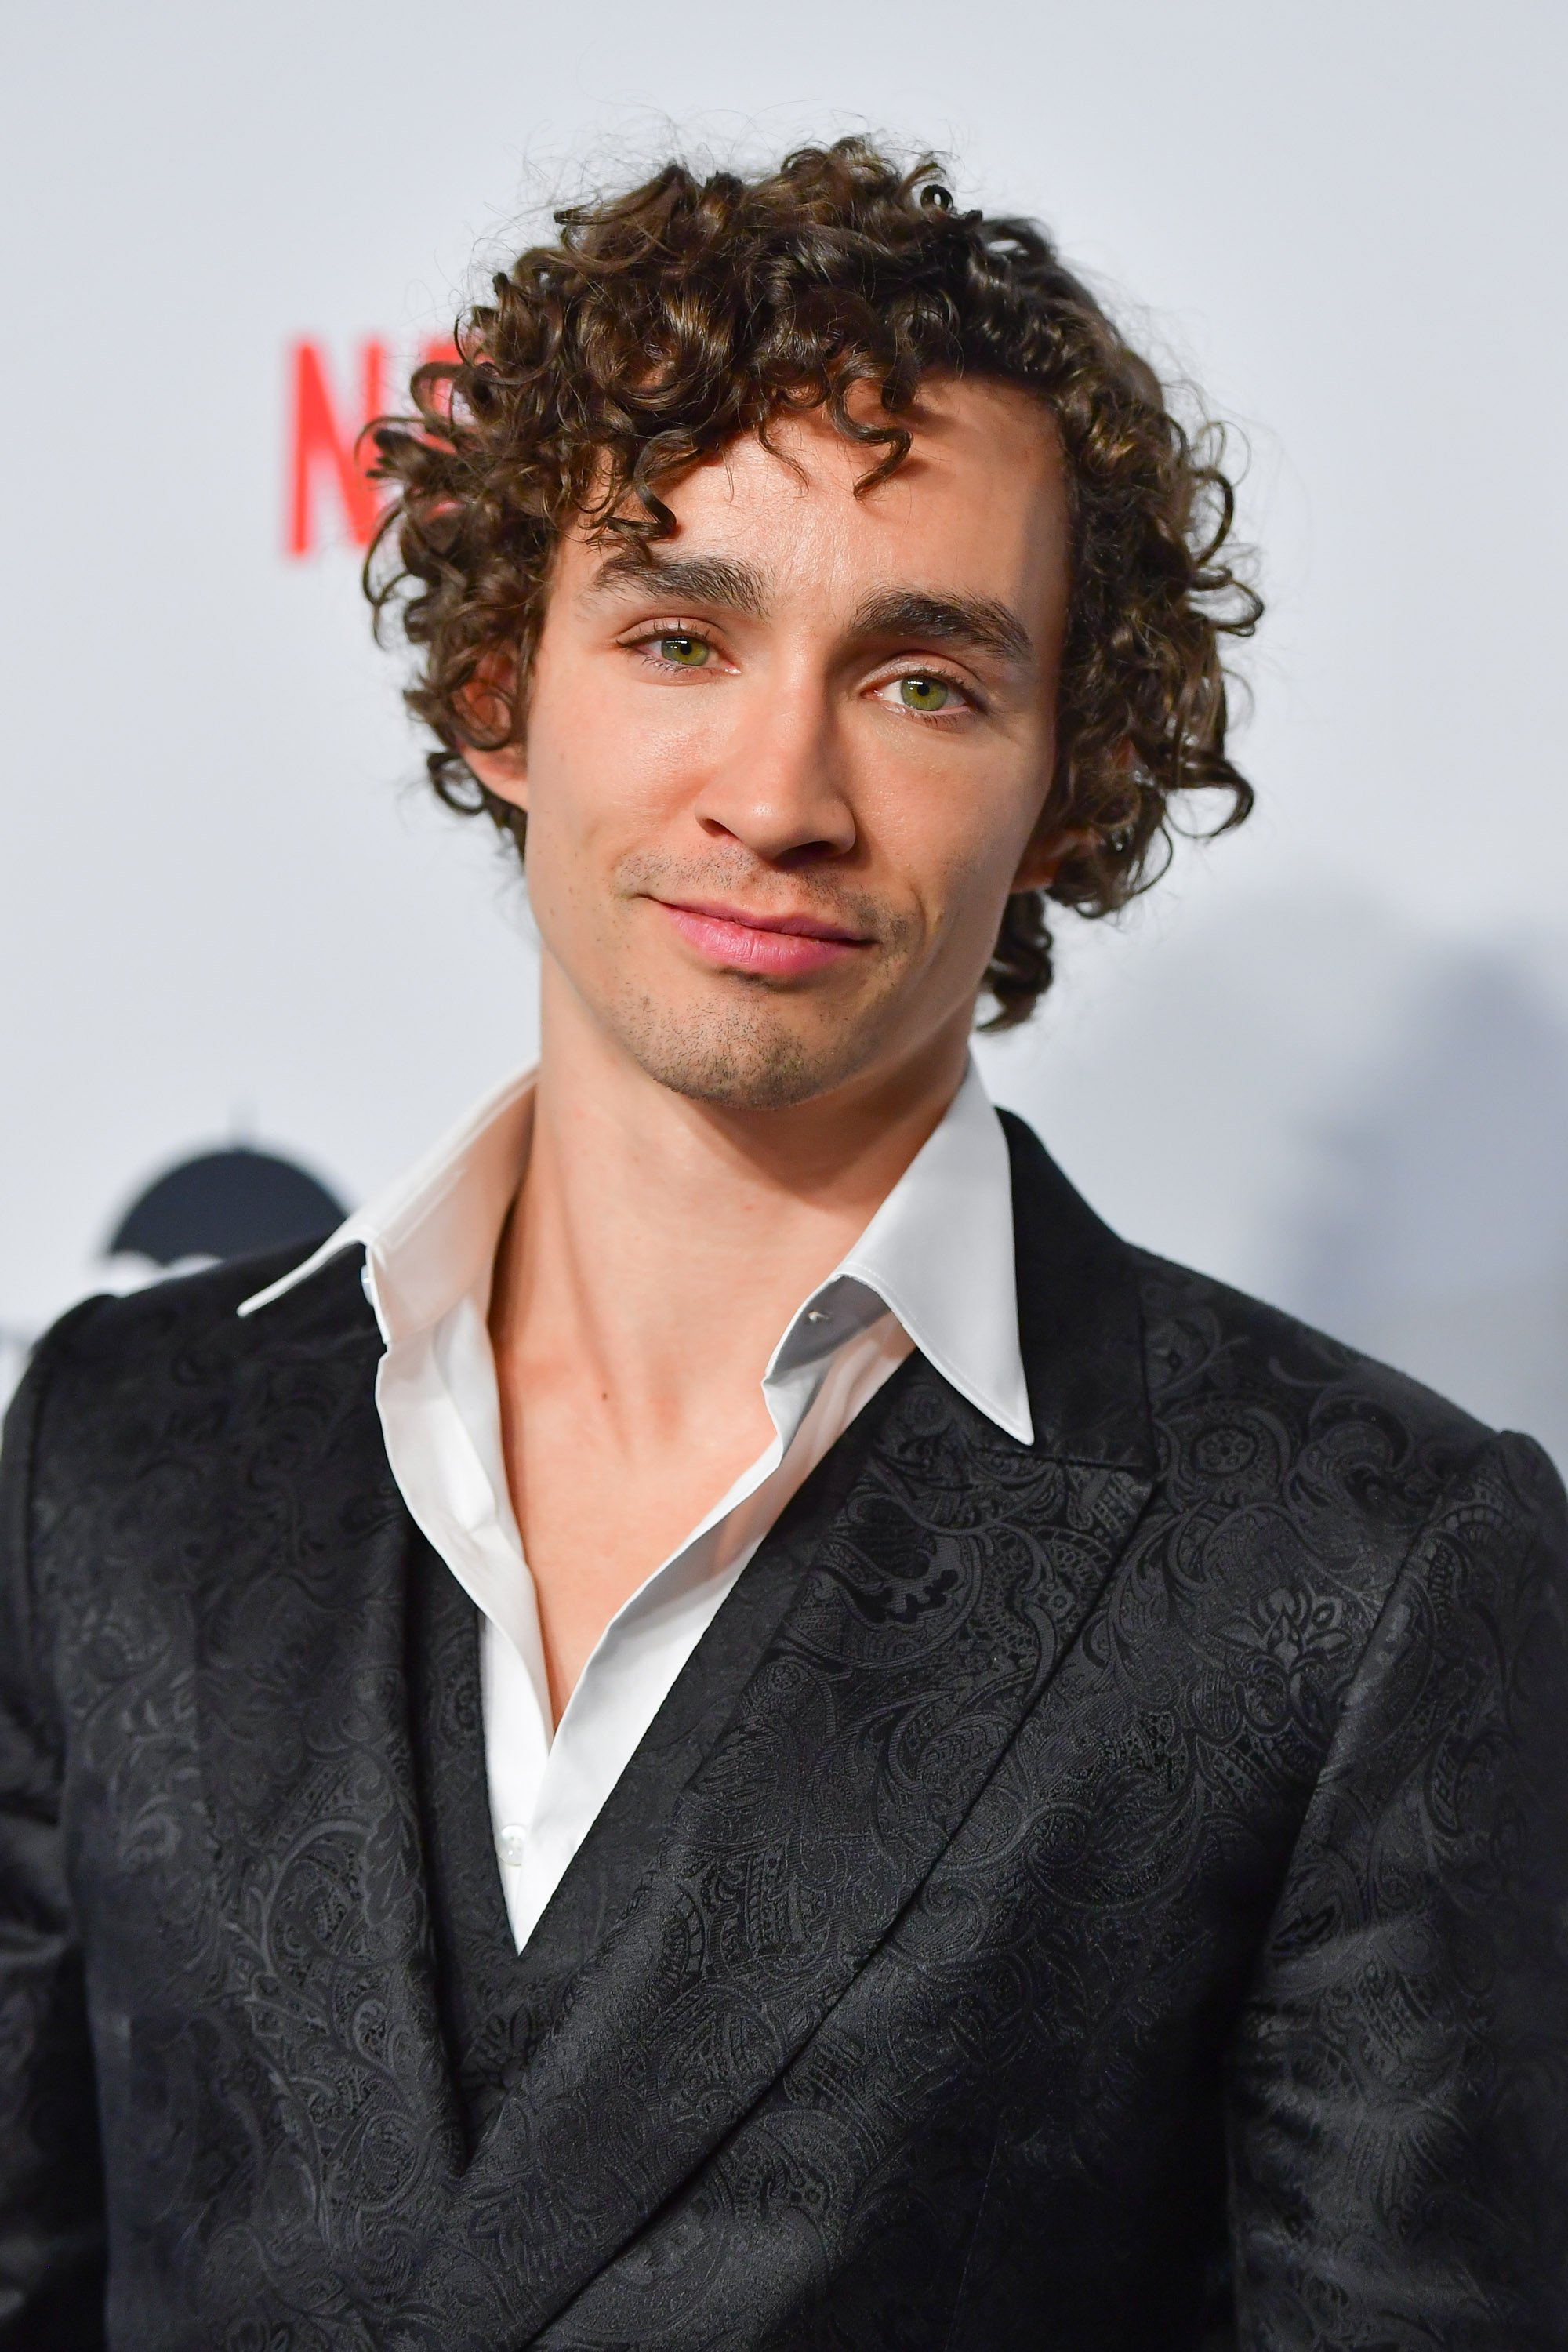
118	1383
170	1464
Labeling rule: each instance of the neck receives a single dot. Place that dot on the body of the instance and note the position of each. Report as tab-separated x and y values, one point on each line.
659	1245
652	1261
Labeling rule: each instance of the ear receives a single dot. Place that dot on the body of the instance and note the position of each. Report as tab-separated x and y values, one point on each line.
503	773
1045	851
487	703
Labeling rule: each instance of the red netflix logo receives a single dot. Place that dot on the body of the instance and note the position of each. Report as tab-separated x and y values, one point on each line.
326	455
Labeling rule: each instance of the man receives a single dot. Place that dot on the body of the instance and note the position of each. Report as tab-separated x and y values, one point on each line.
725	1723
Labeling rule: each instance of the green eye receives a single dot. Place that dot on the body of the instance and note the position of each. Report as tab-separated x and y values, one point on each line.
925	694
686	653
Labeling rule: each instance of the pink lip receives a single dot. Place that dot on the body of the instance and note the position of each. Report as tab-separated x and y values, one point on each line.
781	946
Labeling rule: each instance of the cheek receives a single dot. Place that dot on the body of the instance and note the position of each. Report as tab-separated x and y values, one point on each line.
600	759
956	833
599	793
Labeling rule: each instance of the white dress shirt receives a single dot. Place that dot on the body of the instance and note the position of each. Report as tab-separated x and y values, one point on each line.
932	1270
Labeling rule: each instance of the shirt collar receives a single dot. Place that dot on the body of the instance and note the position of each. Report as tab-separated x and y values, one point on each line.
430	1238
937	1253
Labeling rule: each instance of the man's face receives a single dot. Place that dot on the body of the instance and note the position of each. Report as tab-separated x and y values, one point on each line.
783	768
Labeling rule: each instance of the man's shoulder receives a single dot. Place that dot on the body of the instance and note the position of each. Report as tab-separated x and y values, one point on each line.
178	1356
1243	1412
1256	1411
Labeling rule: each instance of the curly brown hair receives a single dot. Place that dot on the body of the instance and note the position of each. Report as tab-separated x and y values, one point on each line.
670	319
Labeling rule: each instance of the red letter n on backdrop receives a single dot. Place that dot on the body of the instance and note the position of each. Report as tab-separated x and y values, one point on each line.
321	446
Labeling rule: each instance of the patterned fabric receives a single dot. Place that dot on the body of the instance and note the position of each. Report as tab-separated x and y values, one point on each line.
1105	1893
496	2001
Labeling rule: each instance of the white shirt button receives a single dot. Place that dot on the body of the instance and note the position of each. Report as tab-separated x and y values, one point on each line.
510	1843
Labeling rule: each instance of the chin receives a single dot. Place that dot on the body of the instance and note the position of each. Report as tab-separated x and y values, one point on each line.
745	1057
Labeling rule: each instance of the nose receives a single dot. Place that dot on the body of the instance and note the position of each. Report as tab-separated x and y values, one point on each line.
782	787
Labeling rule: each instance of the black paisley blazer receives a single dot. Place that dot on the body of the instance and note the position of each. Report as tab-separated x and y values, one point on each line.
1105	1895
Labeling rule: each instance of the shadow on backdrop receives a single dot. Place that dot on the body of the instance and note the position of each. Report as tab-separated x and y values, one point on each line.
1363	1123
1442	1242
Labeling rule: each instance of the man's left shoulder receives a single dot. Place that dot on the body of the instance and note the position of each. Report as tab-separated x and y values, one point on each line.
1321	1454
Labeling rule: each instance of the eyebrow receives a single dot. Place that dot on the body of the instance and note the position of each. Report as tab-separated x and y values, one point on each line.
694	579
958	620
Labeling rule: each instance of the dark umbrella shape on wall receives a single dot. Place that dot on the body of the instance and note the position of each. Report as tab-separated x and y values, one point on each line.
226	1204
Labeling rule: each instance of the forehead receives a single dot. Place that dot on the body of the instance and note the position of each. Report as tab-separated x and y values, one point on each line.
979	505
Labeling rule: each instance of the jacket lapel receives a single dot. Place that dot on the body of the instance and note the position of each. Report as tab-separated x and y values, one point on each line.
933	1603
323	1995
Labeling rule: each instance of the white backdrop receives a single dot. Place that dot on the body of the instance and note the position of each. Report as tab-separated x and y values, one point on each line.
1329	1061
